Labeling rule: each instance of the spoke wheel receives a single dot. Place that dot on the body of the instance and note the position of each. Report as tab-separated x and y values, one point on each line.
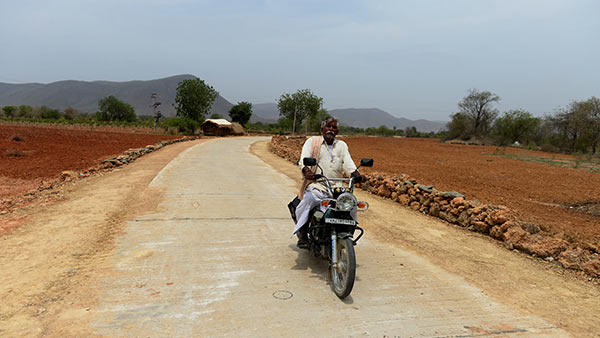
343	274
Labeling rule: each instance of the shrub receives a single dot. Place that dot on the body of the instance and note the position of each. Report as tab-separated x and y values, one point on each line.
50	114
184	125
549	148
9	111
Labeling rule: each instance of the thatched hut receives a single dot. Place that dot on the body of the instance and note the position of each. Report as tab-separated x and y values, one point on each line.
238	129
221	127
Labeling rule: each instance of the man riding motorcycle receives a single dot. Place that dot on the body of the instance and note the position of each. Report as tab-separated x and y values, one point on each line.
335	160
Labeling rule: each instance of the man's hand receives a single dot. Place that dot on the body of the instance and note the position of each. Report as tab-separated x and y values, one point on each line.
358	178
308	174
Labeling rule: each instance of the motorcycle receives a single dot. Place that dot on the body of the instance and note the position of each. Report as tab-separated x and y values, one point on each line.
331	227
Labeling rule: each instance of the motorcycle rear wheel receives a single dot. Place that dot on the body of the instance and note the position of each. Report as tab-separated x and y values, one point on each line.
343	275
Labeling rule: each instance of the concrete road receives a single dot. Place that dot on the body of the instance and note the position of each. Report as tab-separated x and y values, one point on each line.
216	260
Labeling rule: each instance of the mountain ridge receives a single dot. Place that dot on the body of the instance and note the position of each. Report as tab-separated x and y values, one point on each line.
359	117
84	96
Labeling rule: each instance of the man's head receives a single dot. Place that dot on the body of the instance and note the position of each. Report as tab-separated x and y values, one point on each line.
329	129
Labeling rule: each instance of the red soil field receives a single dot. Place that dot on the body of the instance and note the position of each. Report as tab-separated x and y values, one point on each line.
31	153
537	192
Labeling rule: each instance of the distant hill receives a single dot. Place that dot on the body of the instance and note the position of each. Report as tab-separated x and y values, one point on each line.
264	112
373	117
356	117
84	96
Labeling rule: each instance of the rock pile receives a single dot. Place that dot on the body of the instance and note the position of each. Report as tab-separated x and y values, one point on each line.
131	155
496	221
288	147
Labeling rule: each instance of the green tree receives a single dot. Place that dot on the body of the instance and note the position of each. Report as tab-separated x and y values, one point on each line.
314	121
411	132
477	108
575	127
241	112
9	111
113	109
591	110
298	107
25	111
215	116
459	127
49	113
515	125
557	130
194	99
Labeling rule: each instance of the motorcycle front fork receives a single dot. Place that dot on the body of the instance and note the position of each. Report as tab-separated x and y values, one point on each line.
334	258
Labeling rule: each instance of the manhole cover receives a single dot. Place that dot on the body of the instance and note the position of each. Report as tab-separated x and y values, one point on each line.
282	294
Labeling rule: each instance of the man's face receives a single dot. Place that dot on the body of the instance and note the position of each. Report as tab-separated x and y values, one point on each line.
330	131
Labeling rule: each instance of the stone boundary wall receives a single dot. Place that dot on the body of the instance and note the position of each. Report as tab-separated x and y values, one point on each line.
10	204
131	155
496	221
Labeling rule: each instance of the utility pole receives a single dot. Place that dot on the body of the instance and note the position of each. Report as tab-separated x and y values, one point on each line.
157	114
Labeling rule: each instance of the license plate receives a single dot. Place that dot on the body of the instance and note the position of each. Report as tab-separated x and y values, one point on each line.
340	221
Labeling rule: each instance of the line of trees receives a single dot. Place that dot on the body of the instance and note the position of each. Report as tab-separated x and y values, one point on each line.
42	112
110	109
383	131
575	128
193	101
304	110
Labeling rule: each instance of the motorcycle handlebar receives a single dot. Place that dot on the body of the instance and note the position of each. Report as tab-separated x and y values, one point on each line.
351	180
314	176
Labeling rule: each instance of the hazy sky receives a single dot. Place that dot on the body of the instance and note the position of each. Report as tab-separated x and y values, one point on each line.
414	59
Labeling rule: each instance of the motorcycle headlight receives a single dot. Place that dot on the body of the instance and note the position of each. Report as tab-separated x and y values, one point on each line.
345	202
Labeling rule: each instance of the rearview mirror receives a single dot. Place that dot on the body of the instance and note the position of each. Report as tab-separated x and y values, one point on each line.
309	161
366	162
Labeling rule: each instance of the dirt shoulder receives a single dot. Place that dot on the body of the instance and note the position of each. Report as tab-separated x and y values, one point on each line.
528	285
48	260
537	191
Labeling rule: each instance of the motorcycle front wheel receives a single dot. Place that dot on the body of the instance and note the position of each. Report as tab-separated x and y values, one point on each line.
343	274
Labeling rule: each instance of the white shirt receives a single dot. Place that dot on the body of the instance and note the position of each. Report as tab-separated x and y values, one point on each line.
336	163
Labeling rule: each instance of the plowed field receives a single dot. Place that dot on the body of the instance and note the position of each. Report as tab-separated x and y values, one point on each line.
30	154
538	192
